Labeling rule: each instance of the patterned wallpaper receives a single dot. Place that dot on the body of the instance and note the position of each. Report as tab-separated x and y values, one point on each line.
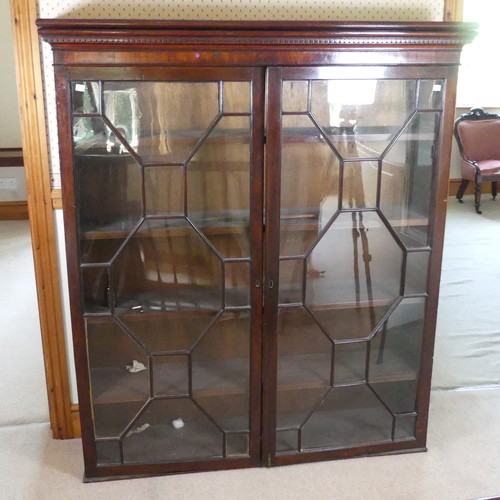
340	10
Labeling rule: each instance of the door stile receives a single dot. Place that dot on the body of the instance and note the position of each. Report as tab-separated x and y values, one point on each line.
271	264
257	245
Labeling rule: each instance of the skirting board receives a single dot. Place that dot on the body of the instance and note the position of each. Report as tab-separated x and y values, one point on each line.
453	188
75	417
455	184
14	210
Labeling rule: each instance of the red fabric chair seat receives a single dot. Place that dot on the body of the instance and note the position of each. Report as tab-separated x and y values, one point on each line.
478	137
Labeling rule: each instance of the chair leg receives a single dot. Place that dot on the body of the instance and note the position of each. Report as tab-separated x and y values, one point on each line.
494	189
477	196
461	190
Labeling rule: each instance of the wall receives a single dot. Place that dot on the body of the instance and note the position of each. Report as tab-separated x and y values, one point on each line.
10	136
362	10
9	118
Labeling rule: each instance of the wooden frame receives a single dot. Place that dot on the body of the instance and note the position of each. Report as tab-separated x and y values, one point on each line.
77	44
28	69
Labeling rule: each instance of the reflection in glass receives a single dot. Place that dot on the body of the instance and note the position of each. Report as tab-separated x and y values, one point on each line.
85	97
168	128
304	366
109	195
164	190
348	416
407	173
218	187
291	281
295	96
167	266
358	260
366	113
350	321
236	97
172	429
237	284
309	184
359	188
430	94
163	331
95	289
417	264
350	363
395	356
221	371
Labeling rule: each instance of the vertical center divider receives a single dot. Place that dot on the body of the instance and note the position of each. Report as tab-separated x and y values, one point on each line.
271	264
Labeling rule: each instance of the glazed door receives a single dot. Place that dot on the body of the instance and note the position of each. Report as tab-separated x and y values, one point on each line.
168	181
351	169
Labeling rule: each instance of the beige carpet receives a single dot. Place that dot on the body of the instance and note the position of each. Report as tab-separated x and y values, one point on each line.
462	463
468	327
23	396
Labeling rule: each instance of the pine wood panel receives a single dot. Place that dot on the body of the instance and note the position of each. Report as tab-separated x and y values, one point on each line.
453	10
26	45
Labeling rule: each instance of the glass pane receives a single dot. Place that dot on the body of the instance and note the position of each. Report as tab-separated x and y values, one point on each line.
405	427
430	94
119	375
171	430
359	263
406	189
157	119
295	96
348	416
164	190
287	440
363	116
309	185
350	363
109	195
304	366
170	375
395	356
108	452
291	281
85	99
218	187
221	371
95	281
417	264
166	331
237	444
359	189
237	276
236	97
167	266
350	321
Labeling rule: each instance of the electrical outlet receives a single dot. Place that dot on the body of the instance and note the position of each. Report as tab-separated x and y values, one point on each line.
8	183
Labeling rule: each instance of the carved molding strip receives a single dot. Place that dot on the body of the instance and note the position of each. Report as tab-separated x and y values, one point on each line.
219	40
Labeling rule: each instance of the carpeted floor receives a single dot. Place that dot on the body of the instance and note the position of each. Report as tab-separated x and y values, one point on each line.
467	349
464	429
462	463
23	395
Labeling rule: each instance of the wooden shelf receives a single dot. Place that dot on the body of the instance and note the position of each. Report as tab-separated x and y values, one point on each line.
220	378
